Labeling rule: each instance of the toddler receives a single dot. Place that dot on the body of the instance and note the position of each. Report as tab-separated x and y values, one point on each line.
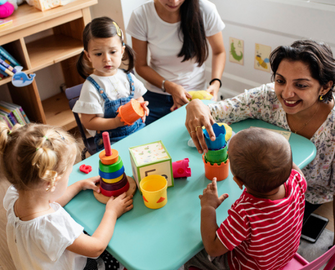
107	87
37	160
263	227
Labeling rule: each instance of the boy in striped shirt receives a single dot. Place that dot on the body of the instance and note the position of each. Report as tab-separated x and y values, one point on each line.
263	227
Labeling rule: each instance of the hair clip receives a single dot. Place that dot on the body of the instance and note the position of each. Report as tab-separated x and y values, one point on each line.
46	137
118	30
37	149
9	132
60	135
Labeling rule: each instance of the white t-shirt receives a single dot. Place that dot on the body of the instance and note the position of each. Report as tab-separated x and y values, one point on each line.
41	243
164	44
117	86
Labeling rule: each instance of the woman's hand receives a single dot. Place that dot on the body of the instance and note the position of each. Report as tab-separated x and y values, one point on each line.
197	116
213	89
178	93
90	183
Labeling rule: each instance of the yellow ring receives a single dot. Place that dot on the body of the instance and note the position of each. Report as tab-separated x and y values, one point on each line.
196	128
114	180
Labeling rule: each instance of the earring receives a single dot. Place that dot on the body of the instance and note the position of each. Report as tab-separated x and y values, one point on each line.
320	98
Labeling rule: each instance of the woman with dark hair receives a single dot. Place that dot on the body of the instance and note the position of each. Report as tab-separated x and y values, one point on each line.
300	100
176	33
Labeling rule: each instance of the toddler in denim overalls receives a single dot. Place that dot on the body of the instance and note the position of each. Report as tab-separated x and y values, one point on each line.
107	87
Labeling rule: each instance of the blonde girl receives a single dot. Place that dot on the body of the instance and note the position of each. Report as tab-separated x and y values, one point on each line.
37	160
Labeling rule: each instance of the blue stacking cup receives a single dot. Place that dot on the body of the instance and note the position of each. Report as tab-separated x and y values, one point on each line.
220	134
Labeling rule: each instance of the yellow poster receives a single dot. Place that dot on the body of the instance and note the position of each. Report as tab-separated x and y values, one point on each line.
262	55
236	53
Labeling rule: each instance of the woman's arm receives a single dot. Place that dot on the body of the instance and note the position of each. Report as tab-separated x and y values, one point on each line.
218	62
94	122
179	94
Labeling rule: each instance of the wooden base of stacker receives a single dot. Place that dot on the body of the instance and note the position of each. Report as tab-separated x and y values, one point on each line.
131	191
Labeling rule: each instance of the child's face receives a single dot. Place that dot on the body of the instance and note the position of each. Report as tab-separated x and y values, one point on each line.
105	54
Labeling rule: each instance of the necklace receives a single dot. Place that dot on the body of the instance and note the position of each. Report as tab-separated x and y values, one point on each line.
310	119
21	217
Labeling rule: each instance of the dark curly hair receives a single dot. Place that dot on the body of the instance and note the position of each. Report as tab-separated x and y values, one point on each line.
317	55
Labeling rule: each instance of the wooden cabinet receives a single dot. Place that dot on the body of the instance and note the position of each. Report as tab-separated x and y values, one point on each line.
63	45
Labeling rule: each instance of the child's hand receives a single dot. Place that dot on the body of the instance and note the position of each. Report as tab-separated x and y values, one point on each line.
120	204
90	183
210	196
145	104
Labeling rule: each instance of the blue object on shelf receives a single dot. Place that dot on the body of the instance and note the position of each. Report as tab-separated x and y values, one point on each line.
220	134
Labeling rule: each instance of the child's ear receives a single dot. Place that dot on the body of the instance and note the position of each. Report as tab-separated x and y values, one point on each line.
87	55
238	182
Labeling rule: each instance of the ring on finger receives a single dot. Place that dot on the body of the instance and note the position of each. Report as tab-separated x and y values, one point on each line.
196	128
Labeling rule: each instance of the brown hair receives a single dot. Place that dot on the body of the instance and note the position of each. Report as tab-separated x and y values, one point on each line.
260	158
34	153
318	57
102	27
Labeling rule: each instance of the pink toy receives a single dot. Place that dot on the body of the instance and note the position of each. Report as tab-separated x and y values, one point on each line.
181	168
6	10
85	168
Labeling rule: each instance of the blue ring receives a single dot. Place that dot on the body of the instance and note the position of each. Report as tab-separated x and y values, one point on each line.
111	175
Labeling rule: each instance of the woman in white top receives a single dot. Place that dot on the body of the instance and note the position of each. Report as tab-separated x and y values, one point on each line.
176	33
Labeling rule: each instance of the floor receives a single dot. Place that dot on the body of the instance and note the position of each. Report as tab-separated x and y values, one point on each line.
6	262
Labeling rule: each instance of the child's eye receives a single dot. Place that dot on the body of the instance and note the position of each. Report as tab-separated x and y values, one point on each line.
97	54
112	52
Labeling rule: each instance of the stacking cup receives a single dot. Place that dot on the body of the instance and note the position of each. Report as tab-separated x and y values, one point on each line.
131	112
217	156
153	188
220	134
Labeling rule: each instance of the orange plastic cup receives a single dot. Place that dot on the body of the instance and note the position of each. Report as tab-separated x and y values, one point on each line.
131	112
221	171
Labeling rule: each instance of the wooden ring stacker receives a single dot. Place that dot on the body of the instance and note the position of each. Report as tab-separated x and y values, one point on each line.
131	191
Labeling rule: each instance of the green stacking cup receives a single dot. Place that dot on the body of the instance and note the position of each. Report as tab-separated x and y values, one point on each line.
217	156
111	168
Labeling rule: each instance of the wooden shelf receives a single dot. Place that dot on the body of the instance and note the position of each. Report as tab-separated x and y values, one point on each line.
52	49
58	113
63	46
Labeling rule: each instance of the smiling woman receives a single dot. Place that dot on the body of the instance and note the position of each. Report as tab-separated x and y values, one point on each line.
300	100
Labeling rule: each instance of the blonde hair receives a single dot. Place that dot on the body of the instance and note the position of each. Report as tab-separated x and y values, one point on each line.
34	153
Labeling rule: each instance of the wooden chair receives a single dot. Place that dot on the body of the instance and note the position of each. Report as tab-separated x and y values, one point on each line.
72	95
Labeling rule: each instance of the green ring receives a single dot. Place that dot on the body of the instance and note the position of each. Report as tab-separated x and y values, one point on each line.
217	156
111	168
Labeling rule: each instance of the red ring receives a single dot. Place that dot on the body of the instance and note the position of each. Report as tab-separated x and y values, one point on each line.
114	193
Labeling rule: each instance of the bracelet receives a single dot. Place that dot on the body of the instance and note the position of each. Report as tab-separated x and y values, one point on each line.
216	79
163	86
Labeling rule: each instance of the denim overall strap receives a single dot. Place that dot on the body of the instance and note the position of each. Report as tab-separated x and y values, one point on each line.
100	90
131	83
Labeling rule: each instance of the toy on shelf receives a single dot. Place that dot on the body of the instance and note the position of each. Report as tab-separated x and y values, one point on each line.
216	159
151	158
6	9
131	112
85	168
181	168
113	181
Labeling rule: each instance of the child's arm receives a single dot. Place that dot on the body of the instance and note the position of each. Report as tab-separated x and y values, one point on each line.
295	167
75	188
94	122
93	246
144	104
209	202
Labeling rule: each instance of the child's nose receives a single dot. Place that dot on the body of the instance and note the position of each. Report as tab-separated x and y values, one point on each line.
106	57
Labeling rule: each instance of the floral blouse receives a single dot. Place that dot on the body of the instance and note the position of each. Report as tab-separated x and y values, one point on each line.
262	103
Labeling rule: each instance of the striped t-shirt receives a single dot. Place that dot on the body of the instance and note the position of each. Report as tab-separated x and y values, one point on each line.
265	234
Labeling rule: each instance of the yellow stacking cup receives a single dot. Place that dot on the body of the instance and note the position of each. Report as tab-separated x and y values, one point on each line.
153	188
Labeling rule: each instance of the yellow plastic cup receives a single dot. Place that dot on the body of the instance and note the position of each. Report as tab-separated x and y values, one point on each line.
154	193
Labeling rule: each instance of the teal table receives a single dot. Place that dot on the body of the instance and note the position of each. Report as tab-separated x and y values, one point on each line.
164	239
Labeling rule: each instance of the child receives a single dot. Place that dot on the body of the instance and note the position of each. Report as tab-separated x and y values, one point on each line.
263	226
37	159
107	87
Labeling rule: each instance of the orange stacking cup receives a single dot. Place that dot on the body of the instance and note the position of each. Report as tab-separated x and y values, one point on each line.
219	171
131	112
